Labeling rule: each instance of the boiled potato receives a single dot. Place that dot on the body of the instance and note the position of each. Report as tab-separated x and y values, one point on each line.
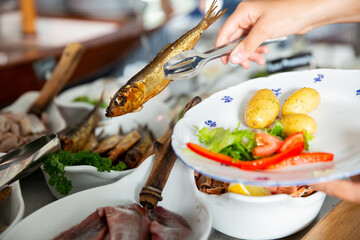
262	109
297	122
301	101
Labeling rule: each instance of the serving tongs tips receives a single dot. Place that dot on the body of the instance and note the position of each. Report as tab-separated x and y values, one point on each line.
189	63
24	160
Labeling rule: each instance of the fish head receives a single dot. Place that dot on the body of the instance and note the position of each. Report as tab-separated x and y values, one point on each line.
127	99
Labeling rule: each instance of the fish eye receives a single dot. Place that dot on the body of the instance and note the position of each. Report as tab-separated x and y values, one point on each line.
120	101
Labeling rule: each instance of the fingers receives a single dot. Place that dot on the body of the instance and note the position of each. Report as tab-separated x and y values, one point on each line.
342	189
236	34
248	46
238	24
255	57
229	31
233	28
258	58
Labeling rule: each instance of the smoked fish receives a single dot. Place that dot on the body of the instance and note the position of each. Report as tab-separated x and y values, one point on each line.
150	81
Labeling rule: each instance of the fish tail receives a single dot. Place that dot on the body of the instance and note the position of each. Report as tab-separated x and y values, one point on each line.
212	15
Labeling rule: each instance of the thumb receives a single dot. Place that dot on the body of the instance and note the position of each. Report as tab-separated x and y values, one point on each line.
248	46
342	189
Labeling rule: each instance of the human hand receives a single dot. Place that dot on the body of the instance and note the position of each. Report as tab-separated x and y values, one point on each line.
264	19
342	189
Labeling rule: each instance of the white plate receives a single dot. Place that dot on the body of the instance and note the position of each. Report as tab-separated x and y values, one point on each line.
337	117
179	196
12	209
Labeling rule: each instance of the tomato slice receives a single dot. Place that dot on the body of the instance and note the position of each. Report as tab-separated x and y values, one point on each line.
293	141
266	145
258	164
304	158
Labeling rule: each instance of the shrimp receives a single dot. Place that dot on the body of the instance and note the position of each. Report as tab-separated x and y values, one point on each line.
150	81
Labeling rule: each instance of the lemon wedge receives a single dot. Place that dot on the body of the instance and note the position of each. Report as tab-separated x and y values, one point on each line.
248	190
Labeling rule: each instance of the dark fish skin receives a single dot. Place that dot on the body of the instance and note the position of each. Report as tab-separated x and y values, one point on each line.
137	152
74	138
150	81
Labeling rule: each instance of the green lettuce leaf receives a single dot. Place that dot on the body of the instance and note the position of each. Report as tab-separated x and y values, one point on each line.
277	130
237	144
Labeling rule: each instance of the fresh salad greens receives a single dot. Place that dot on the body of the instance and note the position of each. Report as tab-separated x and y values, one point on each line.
277	130
55	163
238	143
93	102
307	138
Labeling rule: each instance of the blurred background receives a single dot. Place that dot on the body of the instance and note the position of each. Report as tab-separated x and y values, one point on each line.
122	36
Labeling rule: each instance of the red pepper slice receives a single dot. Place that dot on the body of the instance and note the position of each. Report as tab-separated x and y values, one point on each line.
304	158
293	141
266	145
245	165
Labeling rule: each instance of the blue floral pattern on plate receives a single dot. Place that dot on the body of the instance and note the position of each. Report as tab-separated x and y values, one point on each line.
277	91
210	123
358	92
319	78
227	99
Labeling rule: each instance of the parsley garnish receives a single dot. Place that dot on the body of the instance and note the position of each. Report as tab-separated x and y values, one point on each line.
55	163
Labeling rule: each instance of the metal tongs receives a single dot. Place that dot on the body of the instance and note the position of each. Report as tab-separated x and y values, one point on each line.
24	160
189	63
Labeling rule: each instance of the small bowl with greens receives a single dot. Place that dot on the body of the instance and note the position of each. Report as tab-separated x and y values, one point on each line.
78	101
113	150
68	173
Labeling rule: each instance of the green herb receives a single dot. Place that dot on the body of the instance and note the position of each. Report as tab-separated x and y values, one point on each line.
55	163
237	144
86	99
307	138
277	130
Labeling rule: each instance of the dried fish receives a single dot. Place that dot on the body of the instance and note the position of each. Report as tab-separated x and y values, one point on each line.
148	153
108	143
127	142
75	137
91	142
136	153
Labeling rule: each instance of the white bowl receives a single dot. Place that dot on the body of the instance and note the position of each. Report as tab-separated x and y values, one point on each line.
84	177
268	217
12	209
68	108
154	114
179	196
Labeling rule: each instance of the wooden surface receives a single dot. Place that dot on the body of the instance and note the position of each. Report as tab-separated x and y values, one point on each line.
343	222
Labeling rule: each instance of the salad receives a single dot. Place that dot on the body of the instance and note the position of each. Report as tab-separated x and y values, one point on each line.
263	149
